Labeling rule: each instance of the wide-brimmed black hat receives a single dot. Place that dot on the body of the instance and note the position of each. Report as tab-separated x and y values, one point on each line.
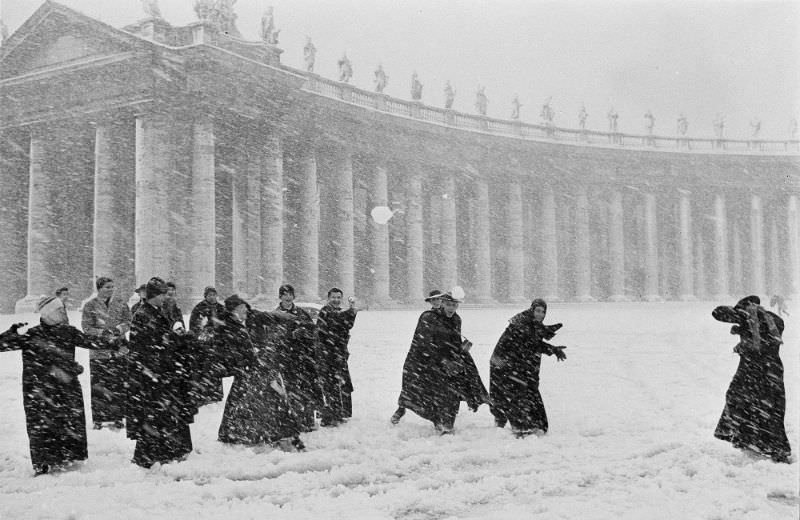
233	301
436	293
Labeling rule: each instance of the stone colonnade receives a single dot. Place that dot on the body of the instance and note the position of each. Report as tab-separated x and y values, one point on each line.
187	198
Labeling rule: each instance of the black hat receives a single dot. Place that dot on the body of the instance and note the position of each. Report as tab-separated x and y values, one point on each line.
285	288
141	288
538	302
233	301
436	293
207	290
154	287
747	300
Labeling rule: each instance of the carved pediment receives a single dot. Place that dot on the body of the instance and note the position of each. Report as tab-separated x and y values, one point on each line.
57	36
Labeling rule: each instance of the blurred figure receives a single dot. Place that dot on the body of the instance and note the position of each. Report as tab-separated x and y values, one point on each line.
51	392
780	302
142	292
108	319
160	406
333	335
514	371
205	316
258	410
755	403
297	357
170	307
414	358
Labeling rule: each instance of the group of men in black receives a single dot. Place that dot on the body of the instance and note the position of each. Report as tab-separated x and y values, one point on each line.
286	369
439	372
153	374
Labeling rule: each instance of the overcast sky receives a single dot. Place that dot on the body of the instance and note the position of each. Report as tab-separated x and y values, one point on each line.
700	58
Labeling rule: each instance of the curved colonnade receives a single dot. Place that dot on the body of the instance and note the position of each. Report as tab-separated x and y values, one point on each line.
206	166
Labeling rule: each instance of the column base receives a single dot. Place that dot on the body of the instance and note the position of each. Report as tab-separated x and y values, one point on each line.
618	298
723	298
481	300
586	298
27	304
687	298
653	298
519	300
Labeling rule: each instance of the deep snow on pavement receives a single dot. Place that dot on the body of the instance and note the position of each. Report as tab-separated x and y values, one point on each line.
632	413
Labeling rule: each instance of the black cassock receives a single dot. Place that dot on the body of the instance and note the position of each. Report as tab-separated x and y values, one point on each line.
208	377
255	412
333	335
435	375
755	403
297	364
514	373
161	401
51	392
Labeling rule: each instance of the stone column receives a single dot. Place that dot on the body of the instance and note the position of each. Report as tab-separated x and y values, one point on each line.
549	245
736	260
14	173
583	262
700	271
449	249
721	289
685	244
757	264
516	246
239	223
379	237
651	243
483	244
308	228
775	264
414	237
253	217
202	261
153	157
344	238
793	243
616	239
272	217
40	222
105	166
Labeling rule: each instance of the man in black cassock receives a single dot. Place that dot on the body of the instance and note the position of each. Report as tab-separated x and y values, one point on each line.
297	359
333	335
160	402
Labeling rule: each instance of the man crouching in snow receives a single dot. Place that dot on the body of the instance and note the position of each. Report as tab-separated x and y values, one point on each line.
514	371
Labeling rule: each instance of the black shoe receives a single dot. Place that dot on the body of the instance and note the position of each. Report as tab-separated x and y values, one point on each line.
118	425
298	444
97	425
41	469
398	415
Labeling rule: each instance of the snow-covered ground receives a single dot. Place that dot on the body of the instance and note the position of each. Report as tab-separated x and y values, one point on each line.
632	412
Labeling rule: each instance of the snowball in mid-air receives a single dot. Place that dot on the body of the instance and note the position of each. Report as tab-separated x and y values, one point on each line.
381	214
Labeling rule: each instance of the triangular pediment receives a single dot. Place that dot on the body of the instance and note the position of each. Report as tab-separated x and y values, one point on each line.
56	36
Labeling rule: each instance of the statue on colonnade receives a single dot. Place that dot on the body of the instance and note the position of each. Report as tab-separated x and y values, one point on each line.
683	124
755	124
381	79
547	113
515	106
151	9
582	116
650	122
345	69
309	54
481	101
416	87
449	95
719	126
268	33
